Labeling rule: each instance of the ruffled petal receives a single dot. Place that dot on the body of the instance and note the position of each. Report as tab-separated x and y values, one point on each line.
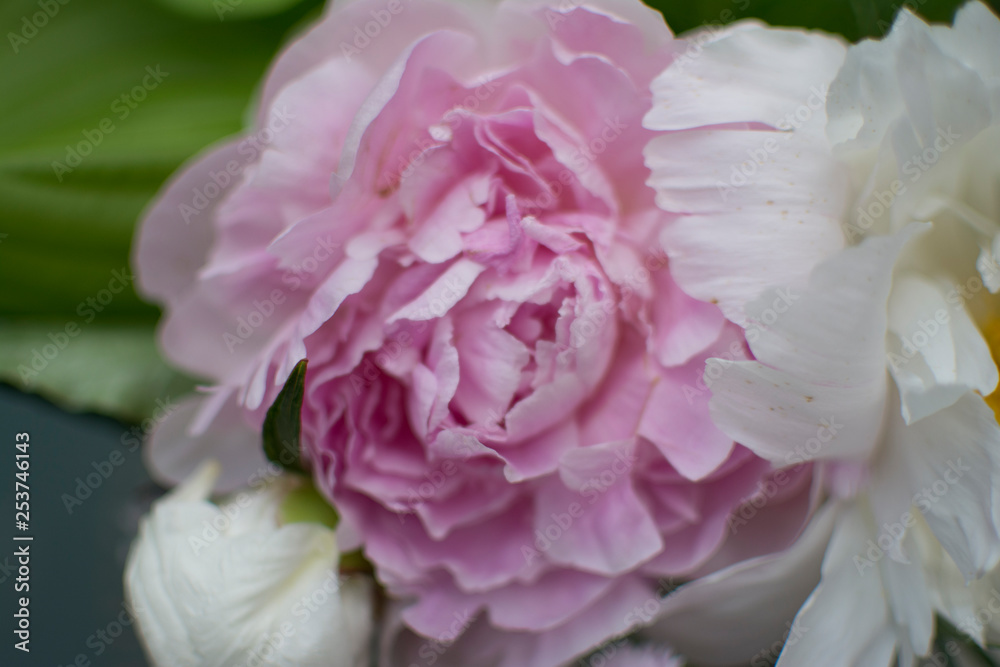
819	387
745	164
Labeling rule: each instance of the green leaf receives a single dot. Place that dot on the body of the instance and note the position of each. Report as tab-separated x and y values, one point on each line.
951	641
354	562
854	19
114	370
304	504
224	10
102	100
283	422
101	104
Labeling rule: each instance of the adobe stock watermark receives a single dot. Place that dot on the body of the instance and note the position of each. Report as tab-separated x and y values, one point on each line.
60	339
768	489
121	108
212	529
605	653
556	15
263	651
435	478
915	167
249	148
371	369
767	656
922	332
639	616
371	30
31	25
644	614
451	291
891	533
591	490
579	162
783	300
742	174
258	481
951	650
440	133
104	468
597	315
914	343
695	43
974	623
432	649
223	7
263	308
103	637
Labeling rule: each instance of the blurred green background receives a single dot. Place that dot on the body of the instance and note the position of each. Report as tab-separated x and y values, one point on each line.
80	70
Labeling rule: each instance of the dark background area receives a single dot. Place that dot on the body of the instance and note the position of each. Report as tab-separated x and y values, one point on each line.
76	559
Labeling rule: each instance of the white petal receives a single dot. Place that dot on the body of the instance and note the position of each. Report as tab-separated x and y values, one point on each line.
846	622
906	87
906	589
988	265
740	234
820	376
947	465
975	41
936	352
200	484
227	585
973	607
759	204
749	604
746	74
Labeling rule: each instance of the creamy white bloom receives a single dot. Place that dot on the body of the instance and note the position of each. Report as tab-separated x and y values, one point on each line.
229	586
871	317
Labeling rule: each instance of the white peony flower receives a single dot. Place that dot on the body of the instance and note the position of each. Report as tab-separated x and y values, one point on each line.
860	255
229	586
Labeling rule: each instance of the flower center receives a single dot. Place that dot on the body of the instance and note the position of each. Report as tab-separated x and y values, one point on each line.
991	333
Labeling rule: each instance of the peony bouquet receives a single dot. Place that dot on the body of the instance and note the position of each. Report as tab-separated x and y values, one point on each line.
533	335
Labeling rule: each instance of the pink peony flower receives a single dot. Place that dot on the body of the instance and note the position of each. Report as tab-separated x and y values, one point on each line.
443	207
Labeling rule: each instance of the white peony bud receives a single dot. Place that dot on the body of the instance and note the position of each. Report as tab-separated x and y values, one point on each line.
228	585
